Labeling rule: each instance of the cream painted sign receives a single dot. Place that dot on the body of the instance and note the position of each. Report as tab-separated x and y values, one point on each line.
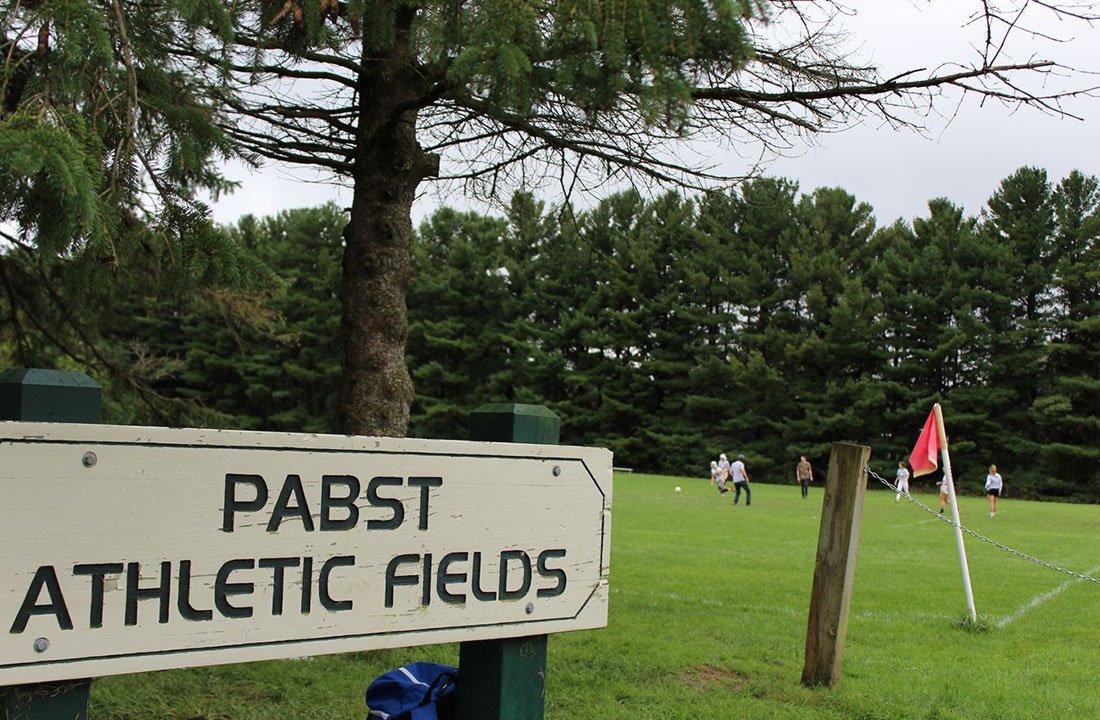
127	549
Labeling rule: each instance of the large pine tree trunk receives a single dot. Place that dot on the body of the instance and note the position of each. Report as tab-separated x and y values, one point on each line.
389	164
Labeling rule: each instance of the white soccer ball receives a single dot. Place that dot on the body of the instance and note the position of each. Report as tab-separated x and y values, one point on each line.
677	488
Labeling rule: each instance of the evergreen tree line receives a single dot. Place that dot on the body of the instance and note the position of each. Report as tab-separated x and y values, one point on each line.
759	321
771	323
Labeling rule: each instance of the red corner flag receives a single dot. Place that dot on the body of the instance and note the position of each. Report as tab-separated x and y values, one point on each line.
923	459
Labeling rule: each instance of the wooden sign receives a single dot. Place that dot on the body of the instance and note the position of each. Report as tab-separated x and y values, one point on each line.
128	549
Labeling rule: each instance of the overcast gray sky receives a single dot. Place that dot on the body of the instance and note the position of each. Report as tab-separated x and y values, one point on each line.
966	147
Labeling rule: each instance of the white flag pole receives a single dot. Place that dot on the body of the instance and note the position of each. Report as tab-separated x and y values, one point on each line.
955	513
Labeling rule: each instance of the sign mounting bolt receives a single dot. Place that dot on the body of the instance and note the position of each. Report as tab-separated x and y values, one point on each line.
530	608
557	470
41	645
89	459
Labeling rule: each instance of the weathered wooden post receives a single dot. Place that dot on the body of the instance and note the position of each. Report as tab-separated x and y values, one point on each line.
48	396
835	567
506	679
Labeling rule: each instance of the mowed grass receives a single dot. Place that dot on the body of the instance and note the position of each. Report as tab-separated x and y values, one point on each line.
708	620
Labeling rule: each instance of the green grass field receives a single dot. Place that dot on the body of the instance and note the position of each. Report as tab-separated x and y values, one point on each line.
708	620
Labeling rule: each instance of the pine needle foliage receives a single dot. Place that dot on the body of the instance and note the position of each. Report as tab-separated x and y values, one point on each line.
107	145
106	142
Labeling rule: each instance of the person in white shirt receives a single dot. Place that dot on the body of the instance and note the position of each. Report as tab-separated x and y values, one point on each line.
740	475
724	466
902	481
994	486
718	477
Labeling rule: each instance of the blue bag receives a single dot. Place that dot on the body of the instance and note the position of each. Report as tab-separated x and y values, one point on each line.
418	691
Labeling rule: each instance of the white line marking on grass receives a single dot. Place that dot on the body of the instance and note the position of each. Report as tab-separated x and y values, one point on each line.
677	597
919	522
899	616
1042	598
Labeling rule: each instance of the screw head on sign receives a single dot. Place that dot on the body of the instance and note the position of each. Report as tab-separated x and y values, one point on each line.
41	645
530	608
557	470
89	459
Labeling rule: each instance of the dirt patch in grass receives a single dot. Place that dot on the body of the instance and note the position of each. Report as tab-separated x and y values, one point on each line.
707	677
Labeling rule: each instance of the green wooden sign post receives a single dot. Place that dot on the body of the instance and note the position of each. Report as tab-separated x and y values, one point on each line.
506	679
48	396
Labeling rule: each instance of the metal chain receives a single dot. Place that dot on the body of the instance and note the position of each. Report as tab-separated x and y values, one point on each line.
979	536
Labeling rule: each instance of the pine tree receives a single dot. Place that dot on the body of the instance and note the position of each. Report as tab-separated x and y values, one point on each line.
456	312
838	348
672	286
937	343
265	362
1065	413
603	336
290	365
1019	225
535	373
753	323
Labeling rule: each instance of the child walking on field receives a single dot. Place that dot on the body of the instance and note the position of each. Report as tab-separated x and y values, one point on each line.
723	473
902	481
718	475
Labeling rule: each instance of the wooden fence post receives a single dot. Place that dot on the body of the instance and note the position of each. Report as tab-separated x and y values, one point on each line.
506	679
835	567
48	396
